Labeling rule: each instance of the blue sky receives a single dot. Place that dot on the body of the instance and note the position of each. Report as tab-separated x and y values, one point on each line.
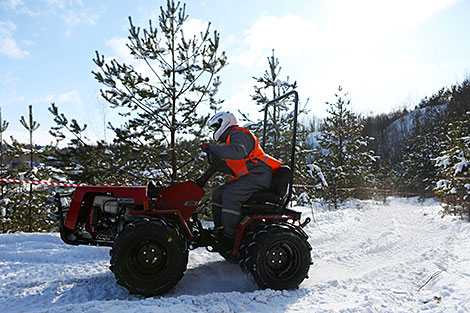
386	54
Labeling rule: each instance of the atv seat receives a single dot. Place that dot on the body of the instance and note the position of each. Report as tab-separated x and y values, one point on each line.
273	200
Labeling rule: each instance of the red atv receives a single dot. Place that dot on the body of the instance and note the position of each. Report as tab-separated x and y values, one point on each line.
151	229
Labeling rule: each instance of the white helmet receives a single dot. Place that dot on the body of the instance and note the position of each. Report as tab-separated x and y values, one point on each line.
220	122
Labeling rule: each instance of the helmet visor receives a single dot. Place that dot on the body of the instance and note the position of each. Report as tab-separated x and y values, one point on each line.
215	126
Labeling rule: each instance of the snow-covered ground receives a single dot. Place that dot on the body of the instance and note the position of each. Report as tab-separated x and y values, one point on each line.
368	257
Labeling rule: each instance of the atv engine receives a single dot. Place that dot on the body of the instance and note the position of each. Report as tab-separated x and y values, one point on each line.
104	220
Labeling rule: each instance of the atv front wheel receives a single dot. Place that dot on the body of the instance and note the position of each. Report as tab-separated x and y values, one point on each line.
278	257
149	257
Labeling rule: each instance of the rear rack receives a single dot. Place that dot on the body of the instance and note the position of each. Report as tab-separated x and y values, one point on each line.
60	212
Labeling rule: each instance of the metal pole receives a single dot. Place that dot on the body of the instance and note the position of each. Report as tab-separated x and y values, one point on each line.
294	131
265	122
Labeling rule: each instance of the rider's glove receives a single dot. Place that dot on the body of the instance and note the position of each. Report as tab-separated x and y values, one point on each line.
205	147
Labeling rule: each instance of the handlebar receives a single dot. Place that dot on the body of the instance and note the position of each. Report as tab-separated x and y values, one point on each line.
216	165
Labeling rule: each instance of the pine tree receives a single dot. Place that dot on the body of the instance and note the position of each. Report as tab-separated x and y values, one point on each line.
454	168
183	75
280	118
31	127
3	128
342	153
268	87
25	206
127	159
3	212
97	163
415	171
383	179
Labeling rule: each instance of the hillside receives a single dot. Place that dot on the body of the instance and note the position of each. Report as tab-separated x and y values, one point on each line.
394	137
393	130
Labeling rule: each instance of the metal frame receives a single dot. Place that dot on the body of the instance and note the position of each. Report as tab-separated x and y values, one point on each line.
294	132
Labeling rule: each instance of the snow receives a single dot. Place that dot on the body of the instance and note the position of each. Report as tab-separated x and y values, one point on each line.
460	166
318	171
443	161
369	257
313	139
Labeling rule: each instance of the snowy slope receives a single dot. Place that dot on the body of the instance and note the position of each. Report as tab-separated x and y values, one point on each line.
368	257
395	135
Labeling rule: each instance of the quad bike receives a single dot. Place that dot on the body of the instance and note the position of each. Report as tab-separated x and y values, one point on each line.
152	228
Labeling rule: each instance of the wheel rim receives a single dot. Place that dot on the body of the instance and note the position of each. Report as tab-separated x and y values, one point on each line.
282	260
148	260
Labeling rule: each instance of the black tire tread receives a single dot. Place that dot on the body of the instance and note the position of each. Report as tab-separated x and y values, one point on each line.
251	254
159	228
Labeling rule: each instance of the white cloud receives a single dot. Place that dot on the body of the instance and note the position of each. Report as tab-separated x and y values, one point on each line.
28	43
67	98
369	23
378	16
356	45
194	27
351	25
71	96
120	50
75	16
241	101
290	36
8	44
17	6
71	12
40	136
8	83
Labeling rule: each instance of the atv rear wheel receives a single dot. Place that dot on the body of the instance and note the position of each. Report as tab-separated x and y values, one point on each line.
149	257
278	257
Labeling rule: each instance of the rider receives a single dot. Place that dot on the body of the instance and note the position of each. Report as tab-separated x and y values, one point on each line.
251	168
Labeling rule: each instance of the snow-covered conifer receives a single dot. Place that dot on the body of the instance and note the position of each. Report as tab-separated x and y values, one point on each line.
280	118
342	153
414	172
453	187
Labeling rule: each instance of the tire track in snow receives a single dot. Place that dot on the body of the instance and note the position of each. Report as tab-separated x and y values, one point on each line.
388	253
375	241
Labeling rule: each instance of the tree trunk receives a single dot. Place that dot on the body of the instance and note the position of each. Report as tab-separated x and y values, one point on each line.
173	155
276	150
1	159
31	169
173	111
2	129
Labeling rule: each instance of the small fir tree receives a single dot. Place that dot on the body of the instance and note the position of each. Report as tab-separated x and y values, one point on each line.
453	188
268	87
415	172
280	118
342	153
25	206
3	128
83	162
31	126
3	212
182	76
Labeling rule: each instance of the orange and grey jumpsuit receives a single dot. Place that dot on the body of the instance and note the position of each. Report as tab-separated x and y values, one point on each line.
252	172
